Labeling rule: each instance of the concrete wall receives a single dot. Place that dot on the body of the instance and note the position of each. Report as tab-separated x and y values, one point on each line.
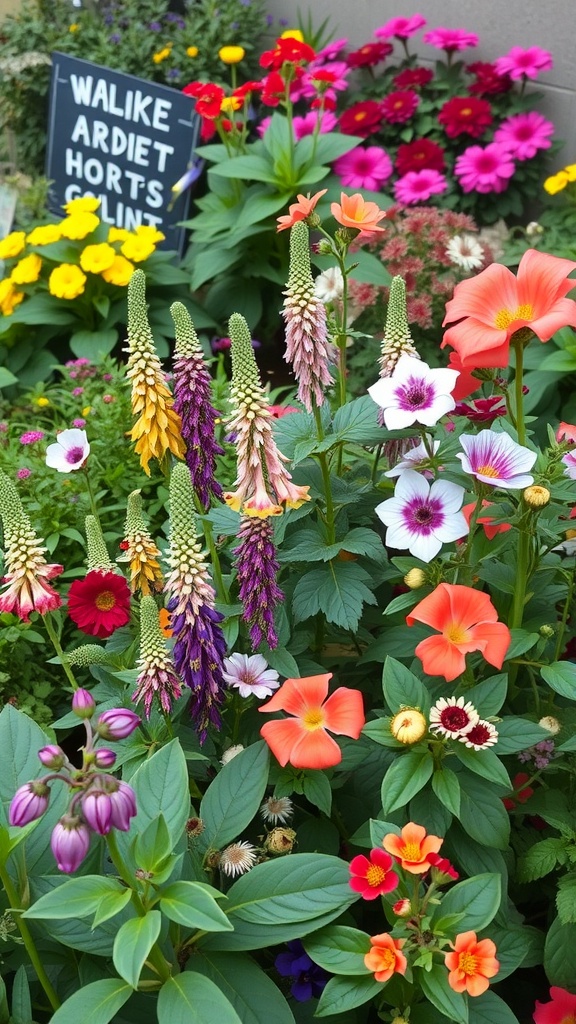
500	25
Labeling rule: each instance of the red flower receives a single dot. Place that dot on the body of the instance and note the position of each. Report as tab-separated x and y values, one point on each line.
485	521
372	877
361	119
521	794
465	115
369	55
208	98
414	156
488	81
562	1009
443	870
100	603
288	50
482	410
411	78
398	107
247	89
273	89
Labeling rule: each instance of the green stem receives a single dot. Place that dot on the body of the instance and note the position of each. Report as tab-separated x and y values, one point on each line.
519	599
518	395
91	497
60	651
28	940
465	562
322	459
564	619
221	588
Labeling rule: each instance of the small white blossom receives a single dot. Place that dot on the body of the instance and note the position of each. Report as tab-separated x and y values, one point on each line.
465	252
237	859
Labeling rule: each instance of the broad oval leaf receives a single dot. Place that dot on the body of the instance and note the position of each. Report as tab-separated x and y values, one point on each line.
250	991
343	994
478	899
434	984
190	998
161	787
133	944
97	1003
190	905
402	688
296	888
78	897
339	949
490	1009
233	798
405	777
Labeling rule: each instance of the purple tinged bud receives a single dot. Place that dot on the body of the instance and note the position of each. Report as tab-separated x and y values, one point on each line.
52	756
28	803
104	757
123	801
97	809
70	842
117	723
83	704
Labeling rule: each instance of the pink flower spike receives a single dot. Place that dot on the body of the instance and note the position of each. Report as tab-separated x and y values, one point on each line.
414	393
69	452
497	460
518	62
400	28
364	168
418	186
451	39
484	169
421	518
524	135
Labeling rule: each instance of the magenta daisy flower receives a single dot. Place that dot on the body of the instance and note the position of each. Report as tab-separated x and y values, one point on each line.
414	393
484	169
451	39
417	186
364	168
497	460
481	736
421	518
523	135
400	28
453	717
519	62
250	675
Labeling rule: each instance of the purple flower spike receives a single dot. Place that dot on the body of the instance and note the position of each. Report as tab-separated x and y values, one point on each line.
69	843
52	756
97	809
104	758
123	801
117	723
83	704
257	567
198	656
28	803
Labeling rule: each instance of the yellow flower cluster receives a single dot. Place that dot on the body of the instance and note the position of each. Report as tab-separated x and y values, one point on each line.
162	54
557	182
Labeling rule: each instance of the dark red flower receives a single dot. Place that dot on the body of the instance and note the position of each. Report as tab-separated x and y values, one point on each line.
100	603
522	793
422	153
488	81
482	409
369	55
361	119
465	115
208	98
442	867
398	107
411	78
288	50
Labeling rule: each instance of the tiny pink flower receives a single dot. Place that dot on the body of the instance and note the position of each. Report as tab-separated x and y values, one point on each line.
79	423
24	473
519	62
364	168
52	756
31	436
250	675
104	758
418	186
77	392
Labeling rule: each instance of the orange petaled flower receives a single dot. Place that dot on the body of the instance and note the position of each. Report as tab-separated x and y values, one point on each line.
164	621
412	847
467	621
472	964
492	306
300	210
385	958
355	212
303	740
485	521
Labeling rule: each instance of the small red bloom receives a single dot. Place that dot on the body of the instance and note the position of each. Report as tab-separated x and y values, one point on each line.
100	603
369	55
372	877
361	118
521	794
246	89
208	98
287	50
465	115
488	81
273	89
422	153
411	78
398	107
443	870
562	1009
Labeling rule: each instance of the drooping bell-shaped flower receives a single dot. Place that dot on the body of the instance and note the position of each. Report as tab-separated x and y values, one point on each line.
27	571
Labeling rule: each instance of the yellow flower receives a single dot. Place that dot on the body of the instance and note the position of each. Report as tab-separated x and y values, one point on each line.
409	725
119	273
45	234
556	183
27	270
140	550
12	245
570	170
192	51
415	578
86	410
536	496
74	27
293	33
66	281
149	233
161	55
42	402
96	258
9	297
118	234
78	225
231	54
230	103
84	204
137	249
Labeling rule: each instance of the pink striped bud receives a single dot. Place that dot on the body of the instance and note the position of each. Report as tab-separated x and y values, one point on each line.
83	704
28	803
97	810
70	842
117	723
104	757
52	756
123	801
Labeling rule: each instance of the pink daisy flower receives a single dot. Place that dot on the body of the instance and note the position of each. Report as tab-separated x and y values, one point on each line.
417	186
524	134
364	168
306	125
400	28
451	39
484	168
331	51
398	107
497	460
519	62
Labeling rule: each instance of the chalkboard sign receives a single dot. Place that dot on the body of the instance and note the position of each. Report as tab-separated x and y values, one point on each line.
120	138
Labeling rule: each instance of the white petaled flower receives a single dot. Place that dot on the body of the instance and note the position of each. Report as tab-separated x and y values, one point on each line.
238	858
69	452
250	675
480	736
551	724
465	251
414	458
329	285
277	810
414	393
496	459
569	461
230	753
453	717
421	518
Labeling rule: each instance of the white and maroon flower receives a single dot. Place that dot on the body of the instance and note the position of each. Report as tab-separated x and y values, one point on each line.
422	517
480	736
496	459
416	458
69	452
250	675
414	393
453	717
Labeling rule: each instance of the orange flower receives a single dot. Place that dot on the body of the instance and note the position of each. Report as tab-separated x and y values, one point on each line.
492	306
411	848
164	619
303	740
566	432
485	521
471	964
467	621
300	210
355	212
385	958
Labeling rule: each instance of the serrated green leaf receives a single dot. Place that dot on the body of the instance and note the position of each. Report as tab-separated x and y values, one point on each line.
190	905
405	777
133	943
541	859
97	1003
566	899
338	589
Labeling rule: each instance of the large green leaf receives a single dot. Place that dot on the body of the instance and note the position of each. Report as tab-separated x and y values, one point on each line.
478	899
513	945
296	888
255	998
133	943
489	695
339	949
78	897
482	813
338	589
343	994
248	168
189	904
490	1009
446	786
561	677
357	422
484	763
435	987
402	688
93	344
516	734
406	776
7	378
560	954
161	787
249	935
97	1003
190	998
233	798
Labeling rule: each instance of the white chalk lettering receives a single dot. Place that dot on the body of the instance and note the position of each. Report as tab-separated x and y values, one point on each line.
155	194
161	110
81	132
81	89
163	151
136	182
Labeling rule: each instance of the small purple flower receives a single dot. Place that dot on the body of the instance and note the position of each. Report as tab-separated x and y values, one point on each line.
77	392
31	436
83	704
24	473
70	842
52	756
79	423
3	427
309	980
220	344
422	517
97	810
173	73
155	26
117	723
257	567
541	754
107	377
116	37
28	803
123	801
497	460
104	757
414	393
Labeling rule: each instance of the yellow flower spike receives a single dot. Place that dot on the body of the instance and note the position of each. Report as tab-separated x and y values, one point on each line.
74	27
231	54
86	410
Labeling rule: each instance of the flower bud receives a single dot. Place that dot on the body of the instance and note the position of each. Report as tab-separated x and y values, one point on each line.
546	631
28	803
280	840
441	869
534	228
415	578
552	725
409	725
402	908
323	247
97	809
117	723
536	496
83	704
230	752
123	800
194	827
70	842
52	756
104	757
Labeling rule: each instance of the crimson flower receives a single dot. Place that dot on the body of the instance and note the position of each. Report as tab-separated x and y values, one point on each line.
369	55
521	793
443	871
361	119
422	153
465	115
399	106
411	78
273	89
371	876
100	603
561	1010
289	50
208	98
488	81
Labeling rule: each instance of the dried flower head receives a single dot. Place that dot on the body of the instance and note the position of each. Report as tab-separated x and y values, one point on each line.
237	859
277	810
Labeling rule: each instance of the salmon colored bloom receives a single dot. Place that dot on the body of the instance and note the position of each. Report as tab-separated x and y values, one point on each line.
371	876
300	210
385	958
562	1009
303	740
467	621
566	432
411	848
485	521
472	964
492	306
355	212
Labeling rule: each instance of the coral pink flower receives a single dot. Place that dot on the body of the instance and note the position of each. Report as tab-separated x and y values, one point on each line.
523	135
485	521
385	958
364	168
355	212
398	107
518	62
465	115
303	739
414	156
300	210
561	1010
566	432
451	39
417	186
372	877
400	28
484	169
412	847
362	118
492	306
472	964
466	621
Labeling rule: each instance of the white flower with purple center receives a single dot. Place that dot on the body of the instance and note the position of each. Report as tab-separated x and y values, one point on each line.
569	461
422	517
250	675
453	717
415	458
414	393
497	460
69	452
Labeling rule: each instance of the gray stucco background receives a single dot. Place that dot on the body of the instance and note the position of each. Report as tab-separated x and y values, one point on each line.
500	24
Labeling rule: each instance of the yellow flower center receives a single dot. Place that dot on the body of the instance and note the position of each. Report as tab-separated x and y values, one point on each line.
360	116
375	875
466	111
411	852
456	634
313	719
487	471
387	960
468	963
505	317
105	601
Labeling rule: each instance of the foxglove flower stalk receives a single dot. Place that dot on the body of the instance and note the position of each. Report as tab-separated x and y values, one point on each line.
141	552
256	567
192	402
260	464
199	644
158	428
308	349
156	674
397	339
28	571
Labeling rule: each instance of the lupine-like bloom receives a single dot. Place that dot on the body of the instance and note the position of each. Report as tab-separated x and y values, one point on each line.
451	39
422	517
100	603
411	847
520	63
418	186
364	168
467	621
385	958
260	464
302	740
192	403
69	452
141	552
250	675
308	349
397	340
484	169
400	28
156	674
300	210
453	717
256	567
414	393
464	115
560	1010
371	876
524	135
355	212
497	460
472	964
158	427
27	571
495	304
199	644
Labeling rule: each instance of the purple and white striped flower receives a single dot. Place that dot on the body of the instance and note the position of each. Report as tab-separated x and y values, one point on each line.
569	461
496	459
417	458
250	675
414	393
422	517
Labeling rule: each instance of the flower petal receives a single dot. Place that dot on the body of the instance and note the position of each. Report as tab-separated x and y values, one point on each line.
344	712
296	696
